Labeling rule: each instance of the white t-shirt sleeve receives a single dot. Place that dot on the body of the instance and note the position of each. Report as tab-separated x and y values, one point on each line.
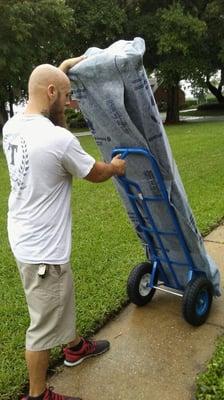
76	161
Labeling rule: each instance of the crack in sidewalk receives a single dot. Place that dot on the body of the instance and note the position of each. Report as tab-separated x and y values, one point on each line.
215	325
213	241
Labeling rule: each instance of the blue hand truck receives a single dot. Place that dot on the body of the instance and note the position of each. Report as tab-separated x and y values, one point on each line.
149	276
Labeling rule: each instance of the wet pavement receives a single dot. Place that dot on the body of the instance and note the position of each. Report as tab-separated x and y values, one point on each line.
207	118
155	354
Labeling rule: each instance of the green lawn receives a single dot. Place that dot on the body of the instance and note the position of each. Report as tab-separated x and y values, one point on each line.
210	384
105	247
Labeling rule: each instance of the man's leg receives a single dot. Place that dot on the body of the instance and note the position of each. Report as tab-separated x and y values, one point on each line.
51	322
75	342
37	364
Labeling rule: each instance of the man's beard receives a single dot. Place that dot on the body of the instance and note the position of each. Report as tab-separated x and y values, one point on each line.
57	115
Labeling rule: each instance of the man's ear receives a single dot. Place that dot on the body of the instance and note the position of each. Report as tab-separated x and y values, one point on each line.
52	92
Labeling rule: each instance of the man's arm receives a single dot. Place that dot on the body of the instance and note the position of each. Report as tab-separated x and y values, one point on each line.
70	62
102	171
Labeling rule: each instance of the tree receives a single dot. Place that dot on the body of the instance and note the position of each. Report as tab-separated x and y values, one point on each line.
178	36
211	55
32	32
97	23
173	37
142	21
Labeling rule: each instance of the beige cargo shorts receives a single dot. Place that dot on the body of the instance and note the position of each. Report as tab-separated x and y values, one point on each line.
50	298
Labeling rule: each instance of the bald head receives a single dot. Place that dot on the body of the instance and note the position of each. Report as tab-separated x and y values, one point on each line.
45	75
49	93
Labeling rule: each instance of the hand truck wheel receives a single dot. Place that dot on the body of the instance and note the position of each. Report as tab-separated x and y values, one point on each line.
197	300
138	289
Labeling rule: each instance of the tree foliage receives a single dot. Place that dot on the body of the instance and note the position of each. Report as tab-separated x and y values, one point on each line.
32	32
97	23
184	38
211	54
178	36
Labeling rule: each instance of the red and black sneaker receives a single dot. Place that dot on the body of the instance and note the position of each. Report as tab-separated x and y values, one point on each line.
50	395
90	348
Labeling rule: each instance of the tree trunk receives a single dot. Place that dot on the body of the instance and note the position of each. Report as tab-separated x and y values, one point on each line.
3	115
172	115
217	92
11	101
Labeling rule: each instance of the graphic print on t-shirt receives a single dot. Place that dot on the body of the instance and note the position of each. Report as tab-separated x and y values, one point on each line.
18	162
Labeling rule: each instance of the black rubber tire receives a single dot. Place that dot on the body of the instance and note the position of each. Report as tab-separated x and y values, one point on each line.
199	288
133	285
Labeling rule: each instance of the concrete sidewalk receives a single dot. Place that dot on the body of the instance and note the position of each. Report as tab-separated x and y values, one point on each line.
155	354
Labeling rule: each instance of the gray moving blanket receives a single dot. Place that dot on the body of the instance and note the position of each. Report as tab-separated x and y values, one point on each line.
116	99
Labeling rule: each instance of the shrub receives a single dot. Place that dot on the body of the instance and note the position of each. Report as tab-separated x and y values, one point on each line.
75	118
70	113
190	103
211	106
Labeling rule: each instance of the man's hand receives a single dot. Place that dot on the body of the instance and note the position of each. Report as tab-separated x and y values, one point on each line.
102	171
119	164
70	62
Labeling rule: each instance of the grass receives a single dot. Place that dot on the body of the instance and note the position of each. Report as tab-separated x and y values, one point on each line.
78	130
200	162
105	247
210	384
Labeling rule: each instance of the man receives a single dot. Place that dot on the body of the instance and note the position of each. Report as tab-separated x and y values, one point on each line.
42	157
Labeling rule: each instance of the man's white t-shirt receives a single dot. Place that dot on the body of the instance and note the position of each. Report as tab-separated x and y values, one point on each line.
42	158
